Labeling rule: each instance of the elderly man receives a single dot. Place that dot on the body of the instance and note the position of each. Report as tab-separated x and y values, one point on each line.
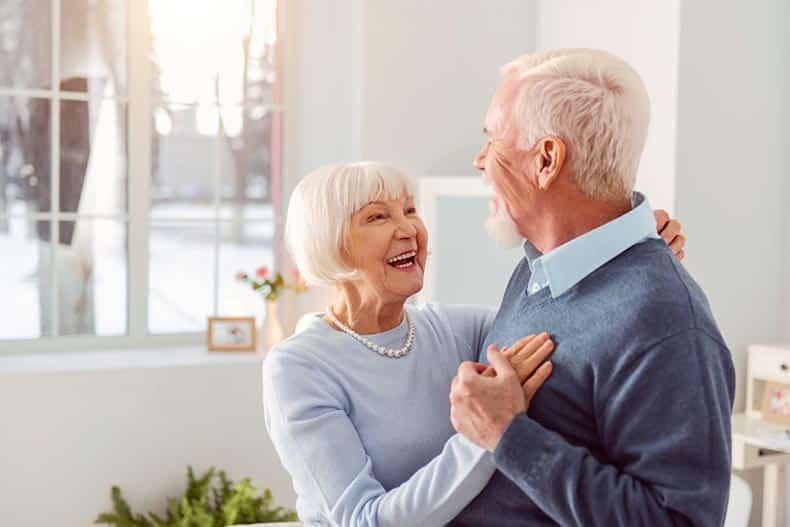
633	427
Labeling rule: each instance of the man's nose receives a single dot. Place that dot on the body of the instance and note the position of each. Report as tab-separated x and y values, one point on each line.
480	159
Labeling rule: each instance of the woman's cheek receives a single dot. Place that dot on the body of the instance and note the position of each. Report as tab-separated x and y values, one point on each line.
422	235
422	245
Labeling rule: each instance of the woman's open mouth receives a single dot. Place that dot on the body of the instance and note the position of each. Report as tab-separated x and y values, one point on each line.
404	262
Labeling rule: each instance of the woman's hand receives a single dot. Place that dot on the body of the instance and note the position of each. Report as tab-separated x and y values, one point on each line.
671	232
528	357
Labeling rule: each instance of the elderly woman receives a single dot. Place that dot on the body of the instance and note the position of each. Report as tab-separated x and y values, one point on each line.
357	403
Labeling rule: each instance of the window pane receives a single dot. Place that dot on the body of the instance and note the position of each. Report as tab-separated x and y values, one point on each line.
24	155
93	157
25	44
245	247
20	279
93	46
181	290
92	278
249	160
184	161
223	51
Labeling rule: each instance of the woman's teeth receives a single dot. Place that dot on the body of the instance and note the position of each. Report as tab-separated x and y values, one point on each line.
403	261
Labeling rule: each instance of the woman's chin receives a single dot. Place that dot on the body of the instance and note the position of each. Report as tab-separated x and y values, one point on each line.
410	282
416	289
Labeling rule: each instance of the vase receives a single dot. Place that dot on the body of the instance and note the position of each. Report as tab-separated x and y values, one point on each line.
271	332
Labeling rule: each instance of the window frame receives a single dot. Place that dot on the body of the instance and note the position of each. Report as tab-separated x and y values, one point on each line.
140	103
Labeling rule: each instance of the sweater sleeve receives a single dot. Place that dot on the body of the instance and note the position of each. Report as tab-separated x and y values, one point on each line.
318	444
664	417
470	325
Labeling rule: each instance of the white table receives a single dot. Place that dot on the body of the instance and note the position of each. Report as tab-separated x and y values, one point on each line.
751	450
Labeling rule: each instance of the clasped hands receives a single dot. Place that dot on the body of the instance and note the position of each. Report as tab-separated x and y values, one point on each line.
486	399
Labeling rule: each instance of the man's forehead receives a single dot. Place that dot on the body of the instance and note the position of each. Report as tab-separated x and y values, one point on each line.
501	104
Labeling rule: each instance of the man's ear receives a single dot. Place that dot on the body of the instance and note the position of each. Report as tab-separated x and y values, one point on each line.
550	159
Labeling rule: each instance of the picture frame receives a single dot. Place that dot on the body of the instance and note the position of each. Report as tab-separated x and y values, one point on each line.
776	403
231	334
454	209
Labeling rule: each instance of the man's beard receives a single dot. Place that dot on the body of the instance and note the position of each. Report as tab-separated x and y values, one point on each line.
501	227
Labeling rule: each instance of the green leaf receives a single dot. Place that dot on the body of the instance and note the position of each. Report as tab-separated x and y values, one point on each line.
212	500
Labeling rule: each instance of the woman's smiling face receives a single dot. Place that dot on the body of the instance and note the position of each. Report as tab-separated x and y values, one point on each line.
386	243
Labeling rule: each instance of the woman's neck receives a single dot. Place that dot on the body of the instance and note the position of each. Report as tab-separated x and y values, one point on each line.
366	315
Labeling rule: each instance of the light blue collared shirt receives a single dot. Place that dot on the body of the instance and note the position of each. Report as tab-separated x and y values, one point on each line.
568	264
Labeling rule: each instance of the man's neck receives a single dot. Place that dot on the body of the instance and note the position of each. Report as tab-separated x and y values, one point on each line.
564	220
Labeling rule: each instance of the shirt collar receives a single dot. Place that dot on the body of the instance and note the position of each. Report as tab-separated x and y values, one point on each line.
568	264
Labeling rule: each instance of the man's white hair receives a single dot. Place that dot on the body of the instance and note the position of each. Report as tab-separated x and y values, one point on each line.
592	100
320	209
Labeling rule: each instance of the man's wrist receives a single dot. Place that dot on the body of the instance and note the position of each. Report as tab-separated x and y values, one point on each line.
512	437
501	432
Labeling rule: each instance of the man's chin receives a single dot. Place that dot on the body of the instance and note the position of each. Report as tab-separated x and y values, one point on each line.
503	231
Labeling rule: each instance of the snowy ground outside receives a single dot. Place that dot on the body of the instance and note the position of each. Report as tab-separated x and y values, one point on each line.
181	275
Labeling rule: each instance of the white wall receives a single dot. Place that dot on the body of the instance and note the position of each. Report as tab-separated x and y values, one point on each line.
731	190
430	69
66	438
322	72
785	305
646	35
730	187
406	82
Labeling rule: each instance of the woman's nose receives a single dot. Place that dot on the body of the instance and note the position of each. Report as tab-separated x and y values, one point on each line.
406	228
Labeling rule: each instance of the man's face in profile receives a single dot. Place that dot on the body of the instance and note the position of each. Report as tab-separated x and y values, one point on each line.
495	162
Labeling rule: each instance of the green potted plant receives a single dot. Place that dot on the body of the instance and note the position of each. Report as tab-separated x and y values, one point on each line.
209	501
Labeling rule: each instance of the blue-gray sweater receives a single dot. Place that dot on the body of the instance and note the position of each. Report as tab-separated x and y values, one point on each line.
633	427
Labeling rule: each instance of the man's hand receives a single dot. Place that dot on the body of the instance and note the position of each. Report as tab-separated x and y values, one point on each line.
483	407
671	232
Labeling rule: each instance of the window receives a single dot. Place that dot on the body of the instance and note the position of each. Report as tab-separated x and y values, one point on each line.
164	119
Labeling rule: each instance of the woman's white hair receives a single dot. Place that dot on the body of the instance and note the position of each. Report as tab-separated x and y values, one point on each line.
592	100
322	205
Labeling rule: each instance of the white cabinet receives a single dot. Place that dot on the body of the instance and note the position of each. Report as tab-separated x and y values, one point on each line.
754	444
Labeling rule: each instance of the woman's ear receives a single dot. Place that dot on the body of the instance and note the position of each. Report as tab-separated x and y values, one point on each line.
550	159
345	253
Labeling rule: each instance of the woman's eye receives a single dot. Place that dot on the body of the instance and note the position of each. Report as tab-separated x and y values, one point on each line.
375	217
411	210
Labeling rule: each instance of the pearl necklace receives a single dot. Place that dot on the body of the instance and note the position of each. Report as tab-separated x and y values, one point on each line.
381	350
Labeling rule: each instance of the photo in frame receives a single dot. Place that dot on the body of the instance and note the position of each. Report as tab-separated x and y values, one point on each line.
776	403
231	334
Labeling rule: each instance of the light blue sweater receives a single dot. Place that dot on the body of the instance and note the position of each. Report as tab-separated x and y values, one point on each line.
367	439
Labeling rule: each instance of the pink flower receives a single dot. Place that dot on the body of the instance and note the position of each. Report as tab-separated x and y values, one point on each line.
241	276
262	272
